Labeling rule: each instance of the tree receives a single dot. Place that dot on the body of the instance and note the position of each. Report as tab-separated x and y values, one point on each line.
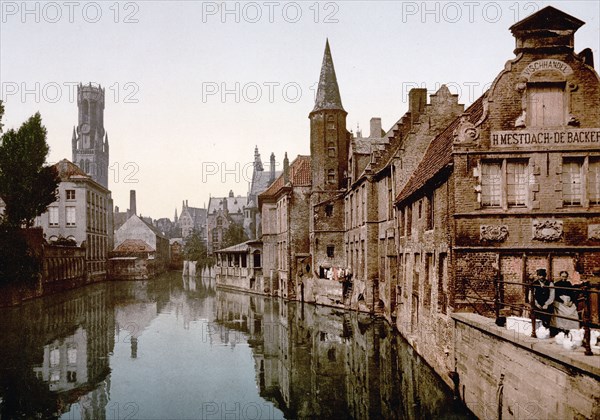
195	250
235	234
1	115
27	186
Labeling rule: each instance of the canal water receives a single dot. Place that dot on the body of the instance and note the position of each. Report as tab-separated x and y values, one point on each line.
178	348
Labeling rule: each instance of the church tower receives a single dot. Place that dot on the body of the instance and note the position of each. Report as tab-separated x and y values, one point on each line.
328	135
329	144
90	140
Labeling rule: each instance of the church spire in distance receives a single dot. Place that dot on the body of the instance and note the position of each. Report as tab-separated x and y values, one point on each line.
328	92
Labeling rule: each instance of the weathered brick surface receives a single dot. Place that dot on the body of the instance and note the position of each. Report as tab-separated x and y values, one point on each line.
530	382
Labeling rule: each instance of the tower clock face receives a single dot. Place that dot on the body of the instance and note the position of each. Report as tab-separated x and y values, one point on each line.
85	128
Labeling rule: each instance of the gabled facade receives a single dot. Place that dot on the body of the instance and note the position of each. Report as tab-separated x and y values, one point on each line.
221	213
285	230
261	180
192	218
138	229
511	186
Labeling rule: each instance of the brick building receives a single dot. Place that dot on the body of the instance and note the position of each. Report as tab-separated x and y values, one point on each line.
285	229
222	212
510	186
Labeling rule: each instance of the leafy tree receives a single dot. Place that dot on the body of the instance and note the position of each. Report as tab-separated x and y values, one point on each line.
1	114
195	250
26	185
235	234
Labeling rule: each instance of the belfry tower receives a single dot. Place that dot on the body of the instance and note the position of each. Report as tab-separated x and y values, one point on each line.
90	140
329	145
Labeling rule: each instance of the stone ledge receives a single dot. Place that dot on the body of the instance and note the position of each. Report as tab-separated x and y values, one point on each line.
545	348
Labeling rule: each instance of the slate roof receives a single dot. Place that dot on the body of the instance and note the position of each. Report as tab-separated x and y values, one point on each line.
197	214
439	153
547	18
299	176
234	204
243	247
260	182
328	92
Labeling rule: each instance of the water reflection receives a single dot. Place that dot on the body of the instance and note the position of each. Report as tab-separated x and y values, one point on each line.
179	348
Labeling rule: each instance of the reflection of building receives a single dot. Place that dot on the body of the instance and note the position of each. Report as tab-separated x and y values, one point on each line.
65	362
71	343
315	362
83	214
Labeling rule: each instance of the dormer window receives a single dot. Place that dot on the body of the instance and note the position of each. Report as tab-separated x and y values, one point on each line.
546	105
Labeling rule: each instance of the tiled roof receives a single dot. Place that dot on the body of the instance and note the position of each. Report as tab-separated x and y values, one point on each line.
243	247
299	176
134	245
67	169
439	153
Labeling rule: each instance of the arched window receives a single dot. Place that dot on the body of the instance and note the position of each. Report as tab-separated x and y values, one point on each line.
331	149
331	176
330	122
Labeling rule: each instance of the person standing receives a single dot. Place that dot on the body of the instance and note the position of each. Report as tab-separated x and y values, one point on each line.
565	305
543	297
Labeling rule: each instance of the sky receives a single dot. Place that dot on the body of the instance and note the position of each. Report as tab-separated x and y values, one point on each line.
193	86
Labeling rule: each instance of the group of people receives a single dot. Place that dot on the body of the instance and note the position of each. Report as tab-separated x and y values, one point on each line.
554	302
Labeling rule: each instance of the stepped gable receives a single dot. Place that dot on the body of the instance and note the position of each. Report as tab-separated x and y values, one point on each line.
439	153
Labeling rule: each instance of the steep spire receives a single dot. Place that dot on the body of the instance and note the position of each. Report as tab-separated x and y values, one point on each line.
286	169
257	161
328	92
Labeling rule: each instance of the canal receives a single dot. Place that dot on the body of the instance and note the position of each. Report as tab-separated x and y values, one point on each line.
178	348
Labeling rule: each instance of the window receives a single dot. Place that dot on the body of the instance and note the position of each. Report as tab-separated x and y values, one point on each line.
331	149
53	216
330	123
505	183
70	216
70	194
594	181
329	210
219	222
430	211
545	105
491	180
330	251
516	183
571	182
578	189
331	176
215	235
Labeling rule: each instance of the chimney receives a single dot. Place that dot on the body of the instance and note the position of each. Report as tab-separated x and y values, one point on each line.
417	99
231	193
286	169
375	128
116	209
272	168
132	206
186	203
